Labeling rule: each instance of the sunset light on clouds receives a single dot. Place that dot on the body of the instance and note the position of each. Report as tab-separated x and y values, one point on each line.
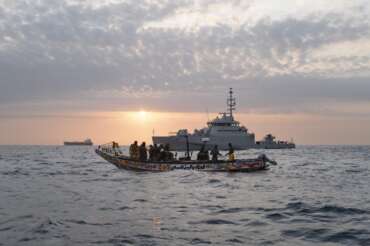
119	69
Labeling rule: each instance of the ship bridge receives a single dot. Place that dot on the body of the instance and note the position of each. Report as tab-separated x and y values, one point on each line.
225	120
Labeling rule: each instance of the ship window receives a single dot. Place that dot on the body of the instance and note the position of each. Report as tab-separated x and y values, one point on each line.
221	124
228	130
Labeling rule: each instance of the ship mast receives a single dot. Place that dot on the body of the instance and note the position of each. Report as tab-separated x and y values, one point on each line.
231	103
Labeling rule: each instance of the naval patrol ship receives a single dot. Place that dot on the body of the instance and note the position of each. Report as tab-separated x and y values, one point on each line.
221	131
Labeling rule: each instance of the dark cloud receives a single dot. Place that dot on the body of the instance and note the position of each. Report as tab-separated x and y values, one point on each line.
55	50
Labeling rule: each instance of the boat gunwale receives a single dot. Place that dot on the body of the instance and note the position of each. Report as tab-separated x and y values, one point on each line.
241	165
175	162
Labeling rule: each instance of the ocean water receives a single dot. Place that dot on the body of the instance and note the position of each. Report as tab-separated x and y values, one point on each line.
56	195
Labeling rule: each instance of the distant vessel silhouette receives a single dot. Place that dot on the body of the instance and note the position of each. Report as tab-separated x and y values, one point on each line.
269	142
221	131
85	142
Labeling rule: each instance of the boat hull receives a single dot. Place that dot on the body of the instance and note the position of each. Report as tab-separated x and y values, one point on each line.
121	161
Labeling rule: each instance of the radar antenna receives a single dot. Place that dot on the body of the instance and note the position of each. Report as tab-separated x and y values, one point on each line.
231	103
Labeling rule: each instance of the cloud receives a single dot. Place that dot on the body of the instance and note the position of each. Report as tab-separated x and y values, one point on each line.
202	14
236	14
98	52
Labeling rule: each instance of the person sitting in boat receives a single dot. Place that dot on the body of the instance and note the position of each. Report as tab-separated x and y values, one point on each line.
231	154
134	151
215	153
143	155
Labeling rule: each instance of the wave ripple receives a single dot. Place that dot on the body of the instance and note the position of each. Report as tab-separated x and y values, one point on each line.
317	195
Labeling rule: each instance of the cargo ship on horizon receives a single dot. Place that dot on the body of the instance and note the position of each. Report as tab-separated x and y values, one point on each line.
85	142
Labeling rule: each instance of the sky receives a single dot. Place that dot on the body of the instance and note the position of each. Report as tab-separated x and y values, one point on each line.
117	69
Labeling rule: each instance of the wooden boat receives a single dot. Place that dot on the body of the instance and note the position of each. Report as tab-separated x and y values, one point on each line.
115	157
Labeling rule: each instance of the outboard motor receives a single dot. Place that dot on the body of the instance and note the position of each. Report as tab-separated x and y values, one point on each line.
266	159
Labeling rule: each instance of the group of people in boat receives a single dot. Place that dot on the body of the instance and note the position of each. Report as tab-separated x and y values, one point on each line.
162	153
203	154
153	153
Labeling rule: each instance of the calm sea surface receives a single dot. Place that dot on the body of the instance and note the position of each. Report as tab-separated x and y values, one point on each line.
317	195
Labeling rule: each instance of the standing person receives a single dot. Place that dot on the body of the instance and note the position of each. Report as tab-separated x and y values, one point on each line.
161	153
151	152
215	153
206	154
203	154
231	153
134	151
200	156
143	155
167	153
156	152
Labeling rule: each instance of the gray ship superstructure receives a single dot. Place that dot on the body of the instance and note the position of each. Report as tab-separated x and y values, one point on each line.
221	131
269	142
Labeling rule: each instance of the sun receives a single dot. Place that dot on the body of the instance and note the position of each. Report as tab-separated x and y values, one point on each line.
140	116
143	115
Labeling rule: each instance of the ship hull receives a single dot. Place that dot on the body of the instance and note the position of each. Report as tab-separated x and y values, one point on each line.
178	143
